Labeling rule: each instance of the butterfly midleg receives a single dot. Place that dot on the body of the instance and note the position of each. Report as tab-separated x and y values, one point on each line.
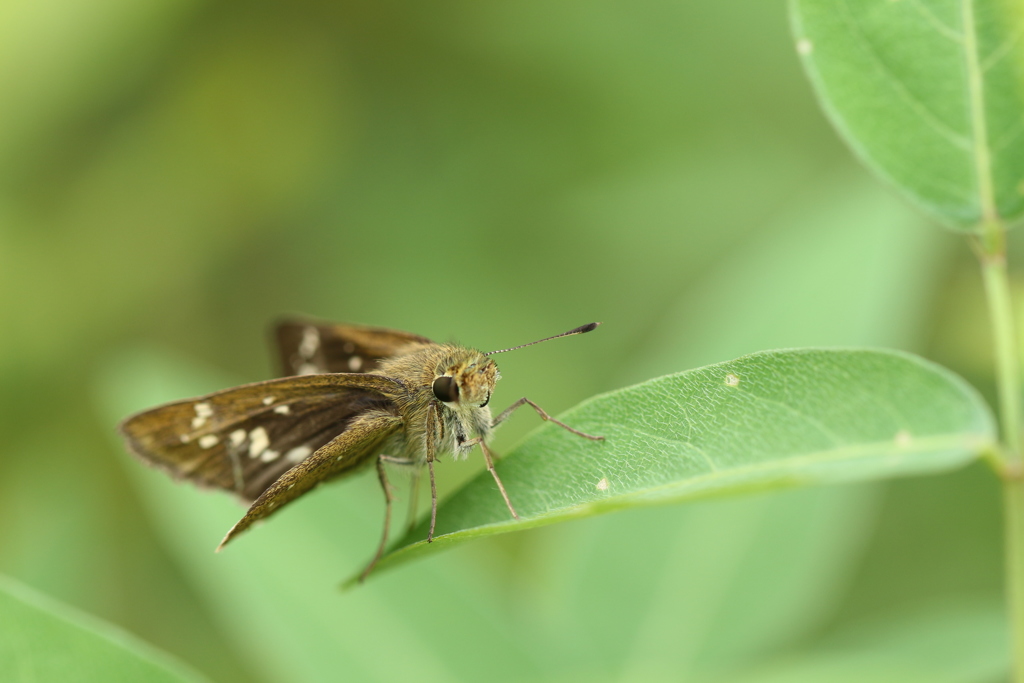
543	415
414	497
432	420
489	459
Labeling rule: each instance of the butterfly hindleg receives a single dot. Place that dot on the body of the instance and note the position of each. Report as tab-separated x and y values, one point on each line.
388	498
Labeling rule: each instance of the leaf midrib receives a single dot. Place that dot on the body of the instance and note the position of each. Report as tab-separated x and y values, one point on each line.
975	442
979	127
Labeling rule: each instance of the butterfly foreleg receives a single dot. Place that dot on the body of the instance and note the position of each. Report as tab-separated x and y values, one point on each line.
505	414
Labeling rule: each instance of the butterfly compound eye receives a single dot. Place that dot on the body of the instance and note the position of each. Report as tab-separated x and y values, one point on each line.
446	390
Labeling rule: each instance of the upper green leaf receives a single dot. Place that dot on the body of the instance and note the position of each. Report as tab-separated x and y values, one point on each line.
928	92
41	640
767	420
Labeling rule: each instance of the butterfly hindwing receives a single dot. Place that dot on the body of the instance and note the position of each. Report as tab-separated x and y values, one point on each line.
311	347
356	445
244	439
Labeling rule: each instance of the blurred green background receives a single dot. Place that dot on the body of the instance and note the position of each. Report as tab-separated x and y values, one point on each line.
175	174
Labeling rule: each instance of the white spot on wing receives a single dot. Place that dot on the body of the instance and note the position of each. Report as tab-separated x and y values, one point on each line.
208	441
237	437
268	400
310	342
298	454
603	484
203	411
309	369
283	410
185	438
259	441
269	455
354	363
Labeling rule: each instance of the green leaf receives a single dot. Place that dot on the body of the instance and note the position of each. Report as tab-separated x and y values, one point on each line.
768	420
42	641
938	643
741	577
929	93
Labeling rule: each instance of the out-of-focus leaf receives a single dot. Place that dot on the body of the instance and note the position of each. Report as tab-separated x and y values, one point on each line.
768	420
720	583
952	643
61	63
866	280
43	641
929	93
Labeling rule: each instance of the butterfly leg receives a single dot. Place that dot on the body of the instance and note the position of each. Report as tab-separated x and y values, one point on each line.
414	497
489	459
433	501
387	516
432	420
388	498
414	486
543	415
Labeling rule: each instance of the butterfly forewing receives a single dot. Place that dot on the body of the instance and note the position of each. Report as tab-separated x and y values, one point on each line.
244	439
311	347
365	434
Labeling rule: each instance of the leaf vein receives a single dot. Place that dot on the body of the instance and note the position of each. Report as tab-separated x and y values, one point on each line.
933	122
998	54
835	438
937	23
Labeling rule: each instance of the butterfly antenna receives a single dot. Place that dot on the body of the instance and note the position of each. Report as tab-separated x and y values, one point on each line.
579	330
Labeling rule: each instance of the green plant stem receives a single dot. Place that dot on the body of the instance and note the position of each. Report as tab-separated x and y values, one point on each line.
1013	506
992	252
997	289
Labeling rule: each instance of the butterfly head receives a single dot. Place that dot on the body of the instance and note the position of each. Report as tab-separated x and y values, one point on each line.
467	381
